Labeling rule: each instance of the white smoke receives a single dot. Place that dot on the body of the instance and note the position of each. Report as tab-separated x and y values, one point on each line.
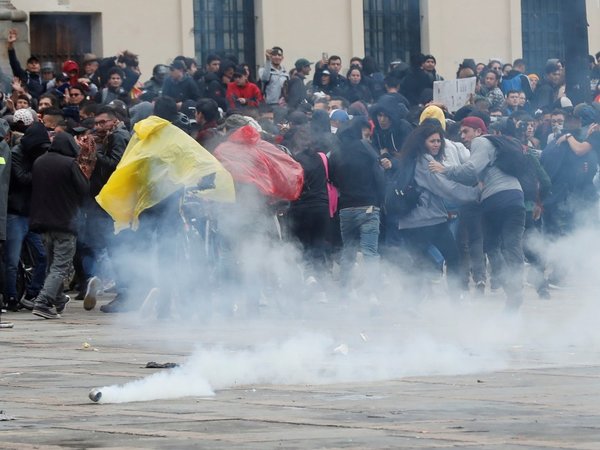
297	340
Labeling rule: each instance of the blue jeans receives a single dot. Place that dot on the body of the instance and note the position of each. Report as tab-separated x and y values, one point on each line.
360	231
17	231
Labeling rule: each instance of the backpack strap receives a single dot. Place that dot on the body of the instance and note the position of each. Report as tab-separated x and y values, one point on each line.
326	164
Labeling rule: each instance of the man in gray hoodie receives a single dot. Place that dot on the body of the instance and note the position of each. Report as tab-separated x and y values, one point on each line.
502	204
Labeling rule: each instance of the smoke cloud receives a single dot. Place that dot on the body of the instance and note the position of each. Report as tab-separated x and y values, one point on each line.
271	327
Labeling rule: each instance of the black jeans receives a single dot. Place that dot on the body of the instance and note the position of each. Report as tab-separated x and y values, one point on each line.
470	244
310	226
503	243
532	249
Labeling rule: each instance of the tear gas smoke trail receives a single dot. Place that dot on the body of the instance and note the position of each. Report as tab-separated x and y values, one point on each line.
298	360
441	338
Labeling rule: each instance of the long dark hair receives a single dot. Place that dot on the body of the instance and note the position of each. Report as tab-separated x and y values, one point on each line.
414	146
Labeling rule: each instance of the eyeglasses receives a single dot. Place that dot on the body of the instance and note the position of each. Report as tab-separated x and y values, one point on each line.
101	122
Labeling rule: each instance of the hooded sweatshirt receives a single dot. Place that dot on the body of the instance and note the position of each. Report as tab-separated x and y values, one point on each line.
71	66
499	188
59	187
389	142
435	189
354	169
34	143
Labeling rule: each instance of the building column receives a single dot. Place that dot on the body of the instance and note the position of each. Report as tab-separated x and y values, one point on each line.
10	17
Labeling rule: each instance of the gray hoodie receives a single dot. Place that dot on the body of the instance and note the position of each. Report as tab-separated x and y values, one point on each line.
480	167
435	189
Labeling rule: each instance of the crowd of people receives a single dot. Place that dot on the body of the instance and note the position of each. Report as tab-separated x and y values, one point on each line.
467	195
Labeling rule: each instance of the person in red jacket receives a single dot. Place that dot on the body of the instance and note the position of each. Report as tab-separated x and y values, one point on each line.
241	93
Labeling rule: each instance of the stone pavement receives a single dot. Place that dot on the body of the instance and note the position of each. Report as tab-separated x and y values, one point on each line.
537	400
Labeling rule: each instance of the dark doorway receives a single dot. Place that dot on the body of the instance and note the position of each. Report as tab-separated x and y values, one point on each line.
58	37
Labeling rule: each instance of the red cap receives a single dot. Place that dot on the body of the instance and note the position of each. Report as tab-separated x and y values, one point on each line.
475	123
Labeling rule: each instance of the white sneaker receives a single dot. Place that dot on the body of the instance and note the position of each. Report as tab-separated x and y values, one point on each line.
150	302
310	281
91	294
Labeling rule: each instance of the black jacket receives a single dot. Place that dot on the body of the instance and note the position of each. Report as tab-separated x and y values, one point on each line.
34	143
314	191
389	142
108	154
59	187
354	169
5	163
355	92
297	92
182	90
33	81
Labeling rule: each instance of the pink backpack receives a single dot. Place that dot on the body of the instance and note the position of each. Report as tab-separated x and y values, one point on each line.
332	192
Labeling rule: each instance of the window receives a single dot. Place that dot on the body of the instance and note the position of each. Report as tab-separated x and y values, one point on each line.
542	28
225	27
392	30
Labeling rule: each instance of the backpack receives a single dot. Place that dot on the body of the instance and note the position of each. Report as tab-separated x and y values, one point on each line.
401	192
510	158
569	173
511	84
332	192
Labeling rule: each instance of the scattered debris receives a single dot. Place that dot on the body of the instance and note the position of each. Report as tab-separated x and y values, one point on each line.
364	337
155	365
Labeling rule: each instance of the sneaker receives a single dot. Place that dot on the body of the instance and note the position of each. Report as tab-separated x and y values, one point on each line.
60	307
543	293
28	301
45	311
12	304
310	281
480	287
91	294
150	304
119	304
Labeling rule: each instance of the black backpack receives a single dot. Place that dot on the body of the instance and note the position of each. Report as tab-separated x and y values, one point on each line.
402	193
510	158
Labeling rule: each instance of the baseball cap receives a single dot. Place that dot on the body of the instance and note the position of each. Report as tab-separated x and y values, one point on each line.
23	115
340	115
33	58
47	67
325	72
302	62
474	122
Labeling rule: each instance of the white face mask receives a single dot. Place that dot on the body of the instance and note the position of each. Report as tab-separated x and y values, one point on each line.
334	130
558	129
